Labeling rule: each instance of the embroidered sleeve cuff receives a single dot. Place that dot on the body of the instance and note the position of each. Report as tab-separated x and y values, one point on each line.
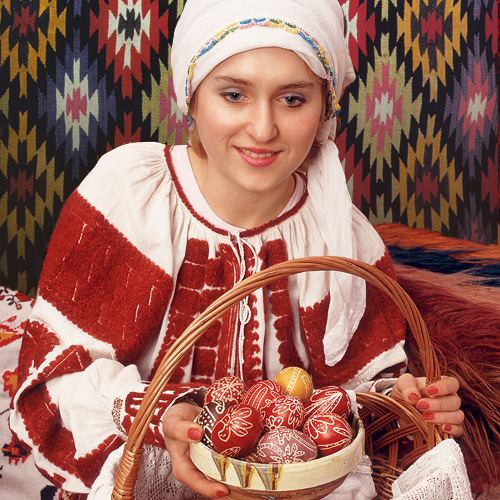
171	395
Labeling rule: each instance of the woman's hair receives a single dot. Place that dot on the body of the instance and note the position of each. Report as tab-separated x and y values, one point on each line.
195	142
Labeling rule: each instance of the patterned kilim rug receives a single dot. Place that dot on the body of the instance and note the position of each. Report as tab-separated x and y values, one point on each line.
456	286
419	128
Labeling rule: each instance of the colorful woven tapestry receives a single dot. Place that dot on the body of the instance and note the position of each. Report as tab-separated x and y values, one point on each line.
419	126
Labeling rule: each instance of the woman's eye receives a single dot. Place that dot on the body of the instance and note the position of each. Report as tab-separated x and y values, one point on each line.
293	100
233	96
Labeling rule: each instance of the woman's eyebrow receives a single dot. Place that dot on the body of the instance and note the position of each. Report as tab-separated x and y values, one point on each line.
235	80
297	85
302	84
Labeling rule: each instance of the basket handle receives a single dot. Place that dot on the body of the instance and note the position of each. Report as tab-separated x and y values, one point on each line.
129	464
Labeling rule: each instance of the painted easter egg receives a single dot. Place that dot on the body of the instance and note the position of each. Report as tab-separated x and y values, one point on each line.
229	389
295	382
285	446
329	431
208	416
285	411
262	393
329	399
237	431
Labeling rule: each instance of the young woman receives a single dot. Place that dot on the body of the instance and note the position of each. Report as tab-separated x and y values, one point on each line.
154	234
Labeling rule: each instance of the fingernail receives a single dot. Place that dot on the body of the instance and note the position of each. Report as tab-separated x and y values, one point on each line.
413	396
221	493
423	405
428	416
194	433
447	427
432	390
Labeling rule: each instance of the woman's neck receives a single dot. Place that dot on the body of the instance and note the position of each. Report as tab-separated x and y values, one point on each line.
240	208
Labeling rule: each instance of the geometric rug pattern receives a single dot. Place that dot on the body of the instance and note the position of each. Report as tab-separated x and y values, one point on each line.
419	127
421	122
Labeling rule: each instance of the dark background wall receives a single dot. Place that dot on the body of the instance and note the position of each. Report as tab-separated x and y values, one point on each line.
419	131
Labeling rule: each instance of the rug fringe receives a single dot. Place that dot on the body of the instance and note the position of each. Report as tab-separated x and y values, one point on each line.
464	322
405	237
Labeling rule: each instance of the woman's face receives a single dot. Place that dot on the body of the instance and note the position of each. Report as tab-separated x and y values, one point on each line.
257	114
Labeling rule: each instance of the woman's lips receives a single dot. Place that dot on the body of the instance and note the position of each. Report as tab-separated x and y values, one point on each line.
258	157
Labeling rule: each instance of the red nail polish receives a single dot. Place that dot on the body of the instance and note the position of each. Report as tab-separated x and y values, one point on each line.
428	416
221	493
413	396
447	427
194	434
423	405
432	390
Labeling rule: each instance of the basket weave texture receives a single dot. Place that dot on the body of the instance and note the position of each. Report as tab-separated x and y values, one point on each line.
396	434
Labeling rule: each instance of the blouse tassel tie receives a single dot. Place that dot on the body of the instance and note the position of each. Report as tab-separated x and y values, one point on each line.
244	311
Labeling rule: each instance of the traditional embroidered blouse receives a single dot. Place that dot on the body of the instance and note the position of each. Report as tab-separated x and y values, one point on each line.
130	264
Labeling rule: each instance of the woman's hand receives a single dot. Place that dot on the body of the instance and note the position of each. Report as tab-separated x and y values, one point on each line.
180	430
439	402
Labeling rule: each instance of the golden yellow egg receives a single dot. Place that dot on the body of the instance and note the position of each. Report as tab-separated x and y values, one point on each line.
296	382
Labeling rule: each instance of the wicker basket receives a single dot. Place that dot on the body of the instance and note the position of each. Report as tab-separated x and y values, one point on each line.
396	435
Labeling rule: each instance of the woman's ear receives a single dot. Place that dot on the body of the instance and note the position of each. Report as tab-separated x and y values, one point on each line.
192	107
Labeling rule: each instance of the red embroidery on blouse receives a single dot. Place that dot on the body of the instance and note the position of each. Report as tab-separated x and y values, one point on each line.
280	307
91	267
186	302
200	281
91	464
252	354
72	359
170	394
55	478
204	360
381	328
37	343
40	416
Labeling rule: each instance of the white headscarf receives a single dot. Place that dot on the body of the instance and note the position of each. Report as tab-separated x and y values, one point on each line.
210	31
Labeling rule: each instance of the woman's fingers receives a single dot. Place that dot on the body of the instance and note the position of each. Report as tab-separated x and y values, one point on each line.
438	402
449	403
407	389
443	387
180	430
185	471
412	389
453	430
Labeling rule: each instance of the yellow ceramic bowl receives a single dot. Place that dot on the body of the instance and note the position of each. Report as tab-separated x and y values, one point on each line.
300	481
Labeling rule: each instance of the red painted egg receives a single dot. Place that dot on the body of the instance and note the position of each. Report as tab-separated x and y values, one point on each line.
296	382
285	446
262	393
330	399
285	411
229	389
329	431
237	431
207	418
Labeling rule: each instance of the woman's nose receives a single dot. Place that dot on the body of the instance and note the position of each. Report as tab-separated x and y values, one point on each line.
262	125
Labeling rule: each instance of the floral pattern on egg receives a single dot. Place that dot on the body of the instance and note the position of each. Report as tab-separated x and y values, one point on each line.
237	431
230	389
329	399
262	393
285	411
329	431
284	445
